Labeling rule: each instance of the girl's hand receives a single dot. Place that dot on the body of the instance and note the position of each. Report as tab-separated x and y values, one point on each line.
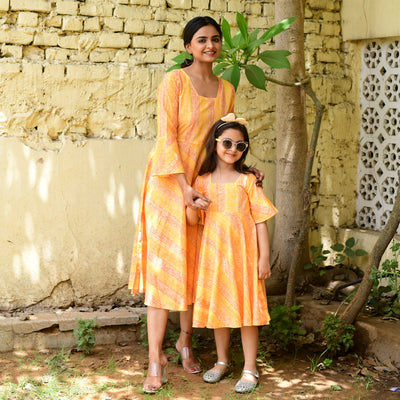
190	196
259	176
264	269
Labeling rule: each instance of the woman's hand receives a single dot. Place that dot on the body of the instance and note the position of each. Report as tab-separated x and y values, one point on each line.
264	269
194	199
259	176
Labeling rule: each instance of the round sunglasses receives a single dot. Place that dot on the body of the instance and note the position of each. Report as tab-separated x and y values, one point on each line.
228	143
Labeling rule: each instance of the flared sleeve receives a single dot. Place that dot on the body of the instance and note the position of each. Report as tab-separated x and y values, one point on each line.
260	206
167	158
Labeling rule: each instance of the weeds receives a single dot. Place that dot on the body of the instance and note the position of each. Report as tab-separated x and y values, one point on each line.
338	336
85	333
284	326
338	254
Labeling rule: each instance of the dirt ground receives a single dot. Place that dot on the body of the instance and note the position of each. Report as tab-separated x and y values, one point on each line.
117	372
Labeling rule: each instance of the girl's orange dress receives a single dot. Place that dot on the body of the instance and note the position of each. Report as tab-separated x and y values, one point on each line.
164	249
228	292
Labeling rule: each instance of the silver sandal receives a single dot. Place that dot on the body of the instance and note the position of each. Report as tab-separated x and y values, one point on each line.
245	386
215	376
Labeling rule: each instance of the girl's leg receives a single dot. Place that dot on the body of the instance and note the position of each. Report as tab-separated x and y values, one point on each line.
184	343
156	325
222	338
250	344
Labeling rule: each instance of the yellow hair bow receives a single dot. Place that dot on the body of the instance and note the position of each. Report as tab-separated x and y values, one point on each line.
231	118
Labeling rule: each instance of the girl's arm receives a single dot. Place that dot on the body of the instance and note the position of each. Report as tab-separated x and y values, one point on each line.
264	268
192	216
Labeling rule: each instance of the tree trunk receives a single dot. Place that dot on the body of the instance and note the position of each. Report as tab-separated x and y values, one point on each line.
357	303
291	147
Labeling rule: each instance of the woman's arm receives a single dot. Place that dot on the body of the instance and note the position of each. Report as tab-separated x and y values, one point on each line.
264	268
190	195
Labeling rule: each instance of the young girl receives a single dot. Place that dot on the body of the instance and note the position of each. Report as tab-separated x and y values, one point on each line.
234	252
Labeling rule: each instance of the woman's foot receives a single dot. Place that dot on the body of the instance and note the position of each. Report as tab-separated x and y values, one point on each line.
216	373
189	362
247	382
156	377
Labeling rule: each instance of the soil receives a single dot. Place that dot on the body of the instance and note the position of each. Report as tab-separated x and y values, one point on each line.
117	372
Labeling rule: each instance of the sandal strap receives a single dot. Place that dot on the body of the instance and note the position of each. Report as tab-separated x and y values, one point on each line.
255	374
222	363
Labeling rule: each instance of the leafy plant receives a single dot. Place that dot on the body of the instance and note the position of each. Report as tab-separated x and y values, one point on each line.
317	364
85	334
338	336
241	51
284	326
339	254
386	280
143	330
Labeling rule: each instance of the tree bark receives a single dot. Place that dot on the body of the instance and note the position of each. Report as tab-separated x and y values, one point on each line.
291	147
299	246
351	312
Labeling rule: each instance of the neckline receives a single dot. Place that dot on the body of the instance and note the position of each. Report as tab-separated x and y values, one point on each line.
225	183
194	89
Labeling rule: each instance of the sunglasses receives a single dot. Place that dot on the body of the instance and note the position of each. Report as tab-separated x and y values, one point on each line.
228	143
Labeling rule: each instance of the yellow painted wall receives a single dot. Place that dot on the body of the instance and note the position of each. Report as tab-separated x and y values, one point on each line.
78	83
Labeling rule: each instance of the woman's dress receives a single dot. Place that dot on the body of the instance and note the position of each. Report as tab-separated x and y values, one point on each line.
164	249
228	292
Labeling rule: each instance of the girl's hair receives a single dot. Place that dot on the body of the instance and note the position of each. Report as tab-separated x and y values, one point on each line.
210	162
192	27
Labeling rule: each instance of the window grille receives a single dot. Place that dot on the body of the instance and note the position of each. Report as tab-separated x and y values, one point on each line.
379	156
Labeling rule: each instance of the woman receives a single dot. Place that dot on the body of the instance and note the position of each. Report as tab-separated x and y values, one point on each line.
190	100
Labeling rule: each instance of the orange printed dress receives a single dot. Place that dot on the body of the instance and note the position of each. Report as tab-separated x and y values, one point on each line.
164	248
228	292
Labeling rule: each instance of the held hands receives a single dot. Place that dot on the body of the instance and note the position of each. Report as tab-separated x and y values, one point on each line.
195	200
264	269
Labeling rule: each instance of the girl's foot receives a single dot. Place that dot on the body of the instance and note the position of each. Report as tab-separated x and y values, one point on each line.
156	377
247	382
189	361
215	374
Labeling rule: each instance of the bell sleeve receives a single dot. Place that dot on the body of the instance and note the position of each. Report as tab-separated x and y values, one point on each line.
261	207
167	158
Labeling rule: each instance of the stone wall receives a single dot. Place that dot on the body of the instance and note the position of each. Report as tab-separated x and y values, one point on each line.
78	83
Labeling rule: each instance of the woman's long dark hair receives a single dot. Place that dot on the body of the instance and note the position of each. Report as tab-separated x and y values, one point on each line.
192	27
210	162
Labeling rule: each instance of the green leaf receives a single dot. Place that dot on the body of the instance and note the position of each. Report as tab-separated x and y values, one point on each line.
277	28
238	40
253	35
349	252
326	252
350	242
220	67
337	247
361	253
320	259
242	24
255	76
339	258
308	266
276	58
180	58
176	66
232	75
226	33
315	249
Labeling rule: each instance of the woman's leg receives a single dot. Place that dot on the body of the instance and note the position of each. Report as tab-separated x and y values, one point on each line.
184	343
156	324
250	344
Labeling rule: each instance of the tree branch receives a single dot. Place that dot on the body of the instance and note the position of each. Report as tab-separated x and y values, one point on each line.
349	315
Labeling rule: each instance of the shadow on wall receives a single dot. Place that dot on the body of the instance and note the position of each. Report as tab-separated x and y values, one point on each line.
68	220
